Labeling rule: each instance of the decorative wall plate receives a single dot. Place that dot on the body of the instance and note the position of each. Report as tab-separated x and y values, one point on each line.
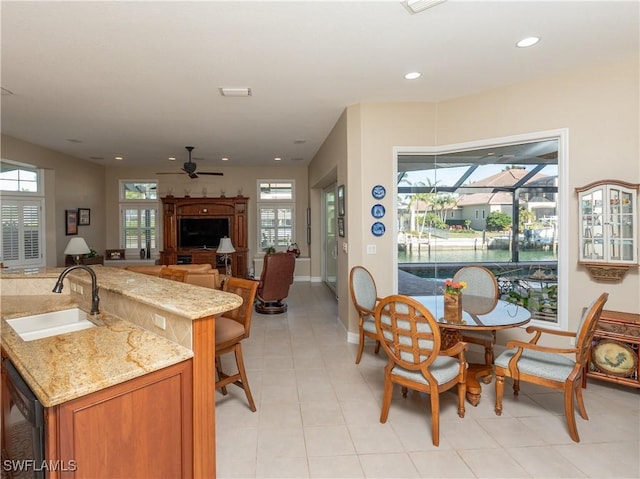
378	192
615	358
377	211
378	228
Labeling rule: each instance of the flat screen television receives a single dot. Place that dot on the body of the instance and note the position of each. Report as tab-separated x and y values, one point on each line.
201	233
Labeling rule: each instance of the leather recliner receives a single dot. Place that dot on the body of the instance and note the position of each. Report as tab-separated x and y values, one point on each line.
276	277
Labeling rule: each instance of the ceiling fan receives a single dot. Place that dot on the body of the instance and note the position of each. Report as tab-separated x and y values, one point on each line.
189	167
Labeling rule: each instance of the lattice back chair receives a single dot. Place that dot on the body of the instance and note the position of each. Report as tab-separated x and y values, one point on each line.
481	283
412	343
364	296
550	366
231	328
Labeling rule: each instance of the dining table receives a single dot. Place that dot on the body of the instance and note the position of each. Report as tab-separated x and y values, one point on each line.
479	313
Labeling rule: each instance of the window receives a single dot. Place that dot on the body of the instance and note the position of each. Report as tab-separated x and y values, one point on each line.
22	215
276	199
506	200
22	232
18	178
139	216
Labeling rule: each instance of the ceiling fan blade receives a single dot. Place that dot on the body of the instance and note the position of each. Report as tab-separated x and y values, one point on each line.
210	173
165	173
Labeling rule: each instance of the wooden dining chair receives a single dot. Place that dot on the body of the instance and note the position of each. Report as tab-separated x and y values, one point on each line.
364	296
231	328
480	283
412	343
550	366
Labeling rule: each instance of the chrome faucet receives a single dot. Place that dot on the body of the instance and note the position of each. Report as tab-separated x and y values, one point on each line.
95	299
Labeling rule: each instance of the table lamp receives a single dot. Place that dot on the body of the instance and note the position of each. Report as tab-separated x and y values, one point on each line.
76	247
225	247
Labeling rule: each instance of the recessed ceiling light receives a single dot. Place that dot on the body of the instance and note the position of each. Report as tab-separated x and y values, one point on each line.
412	75
96	157
119	158
417	6
277	158
172	158
527	42
300	141
224	158
297	158
244	91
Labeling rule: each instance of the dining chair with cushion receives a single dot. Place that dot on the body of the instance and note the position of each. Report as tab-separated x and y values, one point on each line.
364	296
275	280
416	361
480	283
231	328
552	367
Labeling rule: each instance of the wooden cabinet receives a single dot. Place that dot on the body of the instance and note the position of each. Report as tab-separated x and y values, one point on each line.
234	210
141	428
614	350
608	232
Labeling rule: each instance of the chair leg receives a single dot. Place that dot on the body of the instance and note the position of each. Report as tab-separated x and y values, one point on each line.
221	375
499	393
386	400
581	409
244	383
435	417
462	392
569	411
377	350
516	386
360	346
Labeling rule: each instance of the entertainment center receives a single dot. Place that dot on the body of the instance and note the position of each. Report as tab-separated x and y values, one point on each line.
193	227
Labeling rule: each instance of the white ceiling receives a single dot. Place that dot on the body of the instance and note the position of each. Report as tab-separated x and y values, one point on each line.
141	79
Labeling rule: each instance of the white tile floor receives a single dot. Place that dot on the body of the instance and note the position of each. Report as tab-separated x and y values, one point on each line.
318	415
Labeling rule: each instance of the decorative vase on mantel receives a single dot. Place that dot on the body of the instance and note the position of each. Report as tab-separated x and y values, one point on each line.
453	307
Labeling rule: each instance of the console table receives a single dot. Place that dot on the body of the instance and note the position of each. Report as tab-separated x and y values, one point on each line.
614	350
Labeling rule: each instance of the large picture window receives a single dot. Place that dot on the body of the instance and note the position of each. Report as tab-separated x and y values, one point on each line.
497	206
276	199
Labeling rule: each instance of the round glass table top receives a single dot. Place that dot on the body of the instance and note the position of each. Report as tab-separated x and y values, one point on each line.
479	313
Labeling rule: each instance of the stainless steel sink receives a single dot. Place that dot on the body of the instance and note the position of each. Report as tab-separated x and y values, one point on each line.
44	325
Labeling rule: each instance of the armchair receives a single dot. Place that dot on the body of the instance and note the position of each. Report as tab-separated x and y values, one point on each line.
276	277
550	366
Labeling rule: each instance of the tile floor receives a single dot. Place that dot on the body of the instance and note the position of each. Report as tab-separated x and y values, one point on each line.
318	415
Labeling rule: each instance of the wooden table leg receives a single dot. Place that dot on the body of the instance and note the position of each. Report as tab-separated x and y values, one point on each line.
475	372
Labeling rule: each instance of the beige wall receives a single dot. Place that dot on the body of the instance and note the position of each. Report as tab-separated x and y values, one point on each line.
598	106
70	183
235	181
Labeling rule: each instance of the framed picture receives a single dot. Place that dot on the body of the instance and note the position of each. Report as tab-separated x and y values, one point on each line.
341	200
70	222
84	216
115	254
341	227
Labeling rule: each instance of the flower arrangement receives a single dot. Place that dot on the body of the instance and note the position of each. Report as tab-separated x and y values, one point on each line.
454	287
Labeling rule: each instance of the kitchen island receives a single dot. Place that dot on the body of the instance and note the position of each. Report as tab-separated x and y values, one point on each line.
146	323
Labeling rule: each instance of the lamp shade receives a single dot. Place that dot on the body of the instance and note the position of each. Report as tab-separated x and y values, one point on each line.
77	246
225	246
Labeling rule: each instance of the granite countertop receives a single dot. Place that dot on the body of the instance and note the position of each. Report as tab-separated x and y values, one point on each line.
186	300
64	367
71	365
